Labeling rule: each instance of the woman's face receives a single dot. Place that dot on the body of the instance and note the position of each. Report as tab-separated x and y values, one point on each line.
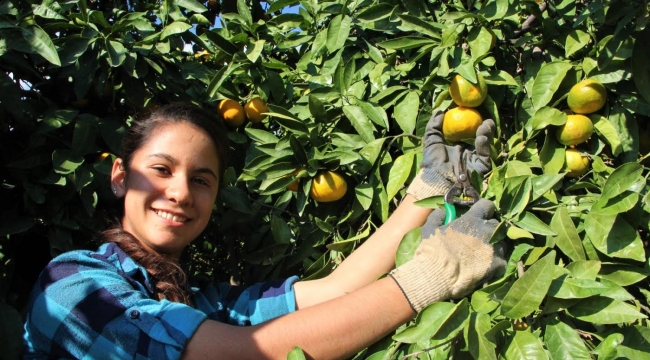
169	188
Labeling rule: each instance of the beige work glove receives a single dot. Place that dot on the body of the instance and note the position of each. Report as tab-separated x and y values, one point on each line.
439	164
451	260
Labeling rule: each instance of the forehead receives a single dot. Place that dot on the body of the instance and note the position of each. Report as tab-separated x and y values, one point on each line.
181	140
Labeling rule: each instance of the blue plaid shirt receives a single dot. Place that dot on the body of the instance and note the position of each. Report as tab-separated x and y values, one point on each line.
98	305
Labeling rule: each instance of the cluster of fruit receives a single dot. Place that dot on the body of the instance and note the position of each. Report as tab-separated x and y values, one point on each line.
235	115
461	122
585	97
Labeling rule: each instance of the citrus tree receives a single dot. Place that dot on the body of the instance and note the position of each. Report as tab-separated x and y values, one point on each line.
326	106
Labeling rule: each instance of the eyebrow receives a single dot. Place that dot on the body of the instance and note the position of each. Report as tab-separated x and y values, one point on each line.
202	170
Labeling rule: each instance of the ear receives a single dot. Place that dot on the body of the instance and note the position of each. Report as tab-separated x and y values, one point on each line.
118	175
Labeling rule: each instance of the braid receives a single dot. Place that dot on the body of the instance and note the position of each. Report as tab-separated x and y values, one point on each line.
168	278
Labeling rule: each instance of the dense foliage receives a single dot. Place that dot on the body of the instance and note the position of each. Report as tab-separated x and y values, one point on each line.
349	86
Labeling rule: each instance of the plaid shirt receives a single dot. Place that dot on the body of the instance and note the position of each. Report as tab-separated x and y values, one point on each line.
98	305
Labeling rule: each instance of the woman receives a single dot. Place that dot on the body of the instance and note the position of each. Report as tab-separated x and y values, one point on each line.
131	299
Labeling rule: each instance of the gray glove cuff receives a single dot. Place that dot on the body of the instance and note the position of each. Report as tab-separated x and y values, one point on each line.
424	282
427	184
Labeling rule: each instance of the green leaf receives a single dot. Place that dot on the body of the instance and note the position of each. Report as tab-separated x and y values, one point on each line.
516	195
602	310
525	345
426	323
622	179
360	122
418	25
261	136
296	354
407	246
547	116
528	221
584	269
47	12
552	154
399	173
177	27
567	238
516	233
191	5
566	287
254	50
218	79
614	236
623	275
406	42
576	40
543	183
607	349
607	131
640	70
406	112
364	194
337	32
65	162
41	43
479	345
375	113
563	342
222	43
548	81
281	231
636	344
500	77
116	53
527	293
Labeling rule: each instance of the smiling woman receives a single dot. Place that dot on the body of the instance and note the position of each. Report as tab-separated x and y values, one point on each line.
131	298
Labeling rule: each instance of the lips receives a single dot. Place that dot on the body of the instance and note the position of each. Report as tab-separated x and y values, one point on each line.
172	217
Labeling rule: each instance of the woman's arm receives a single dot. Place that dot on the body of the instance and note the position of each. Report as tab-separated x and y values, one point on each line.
375	257
333	329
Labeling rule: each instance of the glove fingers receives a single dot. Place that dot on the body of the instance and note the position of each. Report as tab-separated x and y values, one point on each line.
483	209
433	131
486	128
434	221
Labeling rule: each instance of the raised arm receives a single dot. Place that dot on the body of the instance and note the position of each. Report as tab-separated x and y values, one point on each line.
377	254
449	263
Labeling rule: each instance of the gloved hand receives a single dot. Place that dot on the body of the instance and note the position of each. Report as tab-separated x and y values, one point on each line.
453	259
439	164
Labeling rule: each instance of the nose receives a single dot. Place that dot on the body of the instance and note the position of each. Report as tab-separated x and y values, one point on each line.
178	191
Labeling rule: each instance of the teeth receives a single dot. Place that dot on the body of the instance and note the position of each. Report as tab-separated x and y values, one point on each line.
171	217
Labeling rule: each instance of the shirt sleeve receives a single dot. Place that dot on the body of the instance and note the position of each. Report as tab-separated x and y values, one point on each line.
82	307
247	305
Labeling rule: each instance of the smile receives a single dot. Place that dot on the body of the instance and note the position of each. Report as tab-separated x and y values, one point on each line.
170	216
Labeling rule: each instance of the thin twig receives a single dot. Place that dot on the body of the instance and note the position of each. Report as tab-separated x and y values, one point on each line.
528	24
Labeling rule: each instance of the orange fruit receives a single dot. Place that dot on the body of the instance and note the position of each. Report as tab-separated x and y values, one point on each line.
461	123
577	129
466	94
294	185
328	186
576	163
254	109
231	112
587	96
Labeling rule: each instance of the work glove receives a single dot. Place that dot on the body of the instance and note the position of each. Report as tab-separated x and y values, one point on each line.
440	163
451	260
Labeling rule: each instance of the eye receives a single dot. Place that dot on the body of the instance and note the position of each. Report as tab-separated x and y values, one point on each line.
201	181
161	170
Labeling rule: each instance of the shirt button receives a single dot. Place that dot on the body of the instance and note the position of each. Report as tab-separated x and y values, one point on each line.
134	314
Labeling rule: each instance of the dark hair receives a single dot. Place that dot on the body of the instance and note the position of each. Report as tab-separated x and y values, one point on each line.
168	278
